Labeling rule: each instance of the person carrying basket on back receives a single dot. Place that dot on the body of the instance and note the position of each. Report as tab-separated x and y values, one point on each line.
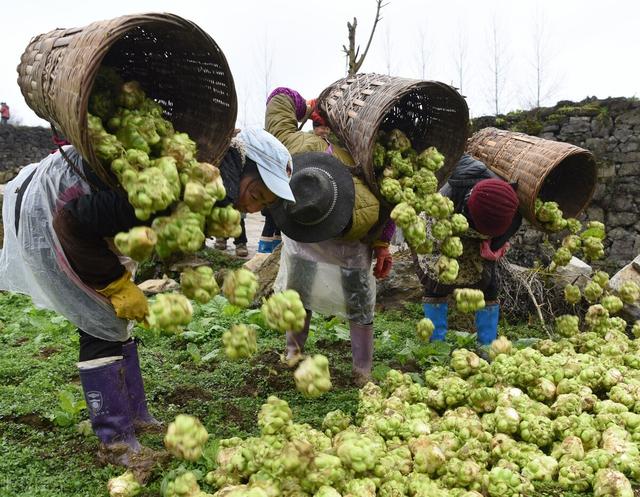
331	233
59	219
490	206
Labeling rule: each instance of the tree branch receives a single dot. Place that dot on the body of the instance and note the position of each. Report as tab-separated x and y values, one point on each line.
360	61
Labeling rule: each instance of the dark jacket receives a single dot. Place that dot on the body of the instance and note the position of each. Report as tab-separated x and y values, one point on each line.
84	224
467	173
231	169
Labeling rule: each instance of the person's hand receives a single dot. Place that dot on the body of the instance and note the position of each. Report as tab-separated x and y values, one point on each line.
126	298
383	262
489	255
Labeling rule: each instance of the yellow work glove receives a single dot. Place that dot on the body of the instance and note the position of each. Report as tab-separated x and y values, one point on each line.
127	299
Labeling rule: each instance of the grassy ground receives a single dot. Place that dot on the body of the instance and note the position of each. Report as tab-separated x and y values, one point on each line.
184	374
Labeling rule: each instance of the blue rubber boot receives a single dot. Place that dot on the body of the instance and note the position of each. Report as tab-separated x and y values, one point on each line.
265	246
437	313
487	324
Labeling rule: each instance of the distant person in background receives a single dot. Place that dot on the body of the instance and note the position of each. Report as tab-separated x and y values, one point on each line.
4	113
270	237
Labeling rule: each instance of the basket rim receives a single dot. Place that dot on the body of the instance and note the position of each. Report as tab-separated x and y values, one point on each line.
569	150
126	24
589	159
408	85
115	29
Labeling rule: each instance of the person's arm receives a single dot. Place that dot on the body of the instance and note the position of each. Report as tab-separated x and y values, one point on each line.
82	226
384	261
385	237
285	108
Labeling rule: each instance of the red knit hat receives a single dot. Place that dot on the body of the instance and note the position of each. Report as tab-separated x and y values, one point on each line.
492	205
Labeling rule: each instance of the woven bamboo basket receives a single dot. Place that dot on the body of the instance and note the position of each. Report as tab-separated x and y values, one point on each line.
177	63
428	112
545	169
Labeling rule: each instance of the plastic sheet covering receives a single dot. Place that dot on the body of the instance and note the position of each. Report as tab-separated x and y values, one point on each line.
33	262
333	277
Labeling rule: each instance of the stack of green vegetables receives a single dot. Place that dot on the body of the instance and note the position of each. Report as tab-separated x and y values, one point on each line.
407	179
157	167
586	241
565	413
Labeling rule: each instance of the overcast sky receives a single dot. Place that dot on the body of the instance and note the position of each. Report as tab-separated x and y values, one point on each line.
588	48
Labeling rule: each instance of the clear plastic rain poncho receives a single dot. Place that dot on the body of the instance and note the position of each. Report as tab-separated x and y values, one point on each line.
333	277
34	263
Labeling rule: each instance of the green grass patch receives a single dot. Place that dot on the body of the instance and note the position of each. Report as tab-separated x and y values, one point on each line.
44	455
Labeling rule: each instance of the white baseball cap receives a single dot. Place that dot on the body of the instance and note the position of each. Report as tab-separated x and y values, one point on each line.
272	158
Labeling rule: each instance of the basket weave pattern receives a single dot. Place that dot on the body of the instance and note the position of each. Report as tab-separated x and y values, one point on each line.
542	168
428	112
177	64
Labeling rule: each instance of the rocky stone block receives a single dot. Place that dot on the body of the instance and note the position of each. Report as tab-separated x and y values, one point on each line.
616	219
631	117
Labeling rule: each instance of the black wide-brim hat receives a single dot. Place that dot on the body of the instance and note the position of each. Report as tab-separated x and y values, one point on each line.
325	194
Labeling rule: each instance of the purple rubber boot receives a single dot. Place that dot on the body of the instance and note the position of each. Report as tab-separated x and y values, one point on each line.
105	391
296	341
143	421
361	352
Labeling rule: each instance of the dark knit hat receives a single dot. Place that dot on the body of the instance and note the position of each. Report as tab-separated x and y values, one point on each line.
492	205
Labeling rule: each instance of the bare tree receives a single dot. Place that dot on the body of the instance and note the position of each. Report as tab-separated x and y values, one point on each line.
267	65
543	84
498	62
244	118
460	55
354	59
16	119
424	52
388	52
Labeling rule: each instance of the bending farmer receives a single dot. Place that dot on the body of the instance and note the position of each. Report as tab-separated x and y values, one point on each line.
331	233
59	219
490	205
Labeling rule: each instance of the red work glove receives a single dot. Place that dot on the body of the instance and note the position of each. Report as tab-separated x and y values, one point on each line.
490	255
383	262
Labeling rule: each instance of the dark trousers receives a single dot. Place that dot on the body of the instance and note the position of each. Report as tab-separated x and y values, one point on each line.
489	283
95	348
270	228
242	239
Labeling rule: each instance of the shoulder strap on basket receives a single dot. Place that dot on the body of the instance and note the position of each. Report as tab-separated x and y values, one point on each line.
58	142
19	194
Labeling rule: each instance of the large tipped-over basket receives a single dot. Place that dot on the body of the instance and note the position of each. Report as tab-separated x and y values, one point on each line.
176	63
428	112
545	169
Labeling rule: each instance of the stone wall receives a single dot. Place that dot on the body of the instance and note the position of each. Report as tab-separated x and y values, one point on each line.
22	145
19	146
611	130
